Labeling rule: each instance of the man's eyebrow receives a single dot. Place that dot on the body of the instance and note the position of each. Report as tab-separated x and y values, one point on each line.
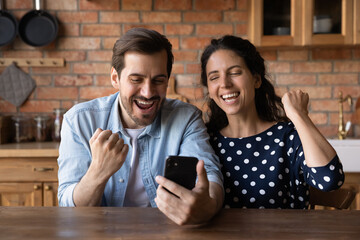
141	75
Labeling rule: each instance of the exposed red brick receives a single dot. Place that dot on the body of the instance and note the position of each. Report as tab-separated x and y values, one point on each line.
214	5
207	16
36	106
22	54
179	29
353	91
69	56
292	55
312	67
103	80
105	55
99	5
336	79
187	80
324	105
193	68
95	92
278	67
79	43
92	68
183	55
51	70
235	16
42	80
319	118
347	66
136	5
241	29
214	29
20	4
174	42
178	68
106	30
61	5
242	4
77	17
108	43
194	42
57	93
69	30
173	4
71	80
296	79
191	93
119	17
161	17
268	55
316	92
157	27
326	54
6	107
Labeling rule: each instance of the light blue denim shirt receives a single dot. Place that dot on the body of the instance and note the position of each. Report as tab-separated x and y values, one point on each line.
177	130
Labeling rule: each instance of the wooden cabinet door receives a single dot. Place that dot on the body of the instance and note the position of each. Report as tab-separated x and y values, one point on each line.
50	194
21	194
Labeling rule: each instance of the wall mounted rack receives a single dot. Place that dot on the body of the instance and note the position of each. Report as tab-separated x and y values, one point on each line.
33	62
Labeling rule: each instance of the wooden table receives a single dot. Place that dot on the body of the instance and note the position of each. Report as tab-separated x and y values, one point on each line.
150	223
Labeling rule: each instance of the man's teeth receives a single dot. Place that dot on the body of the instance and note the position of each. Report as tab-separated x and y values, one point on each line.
230	95
144	102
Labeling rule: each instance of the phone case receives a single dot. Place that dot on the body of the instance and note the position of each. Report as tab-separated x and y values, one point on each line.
181	170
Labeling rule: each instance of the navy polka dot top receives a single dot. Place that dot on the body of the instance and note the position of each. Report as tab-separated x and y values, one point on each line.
268	170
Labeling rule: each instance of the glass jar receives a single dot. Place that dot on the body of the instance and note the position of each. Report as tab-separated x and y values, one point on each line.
58	118
41	128
23	128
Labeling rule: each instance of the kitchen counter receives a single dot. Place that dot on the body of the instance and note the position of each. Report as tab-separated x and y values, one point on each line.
30	149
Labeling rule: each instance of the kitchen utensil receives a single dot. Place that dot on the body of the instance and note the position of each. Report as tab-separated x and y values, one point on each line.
38	27
15	85
8	26
322	24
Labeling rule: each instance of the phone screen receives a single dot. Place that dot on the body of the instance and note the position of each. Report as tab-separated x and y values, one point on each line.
182	170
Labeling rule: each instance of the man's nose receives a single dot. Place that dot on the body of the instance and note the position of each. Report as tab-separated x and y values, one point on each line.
147	90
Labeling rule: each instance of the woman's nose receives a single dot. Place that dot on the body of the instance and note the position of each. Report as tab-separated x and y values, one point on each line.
225	81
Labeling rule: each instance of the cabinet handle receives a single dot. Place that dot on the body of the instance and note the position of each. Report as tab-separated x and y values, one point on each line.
47	187
36	187
43	169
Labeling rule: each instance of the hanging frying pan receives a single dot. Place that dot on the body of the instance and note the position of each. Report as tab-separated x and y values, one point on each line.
8	26
38	27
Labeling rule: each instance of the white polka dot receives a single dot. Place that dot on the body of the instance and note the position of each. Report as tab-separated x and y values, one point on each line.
266	147
229	159
254	169
276	140
327	179
237	168
262	191
246	161
292	205
313	181
261	207
245	176
258	139
280	176
280	127
227	190
262	176
286	170
291	150
340	183
291	137
222	151
236	199
227	174
332	167
301	198
236	183
320	186
256	154
313	170
238	152
340	171
252	183
252	200
248	145
226	206
219	145
300	154
244	191
272	168
297	182
271	201
280	193
281	144
271	184
231	144
304	162
269	133
281	160
272	153
264	161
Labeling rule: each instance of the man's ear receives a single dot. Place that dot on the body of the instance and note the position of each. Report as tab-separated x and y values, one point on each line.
115	80
257	80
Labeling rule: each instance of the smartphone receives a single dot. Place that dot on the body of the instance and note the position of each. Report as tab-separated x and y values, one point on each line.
182	170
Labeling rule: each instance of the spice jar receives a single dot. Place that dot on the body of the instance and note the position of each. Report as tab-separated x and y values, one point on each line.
41	128
58	117
23	130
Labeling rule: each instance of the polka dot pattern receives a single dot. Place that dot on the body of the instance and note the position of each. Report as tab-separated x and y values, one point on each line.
269	170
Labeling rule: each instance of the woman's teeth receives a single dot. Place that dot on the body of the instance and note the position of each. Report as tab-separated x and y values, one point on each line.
229	97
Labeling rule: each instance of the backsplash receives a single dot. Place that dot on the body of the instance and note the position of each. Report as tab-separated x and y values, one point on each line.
88	30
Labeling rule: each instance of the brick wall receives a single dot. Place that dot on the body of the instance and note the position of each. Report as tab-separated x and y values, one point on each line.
89	28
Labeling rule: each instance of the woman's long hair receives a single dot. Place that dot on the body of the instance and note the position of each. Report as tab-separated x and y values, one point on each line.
268	104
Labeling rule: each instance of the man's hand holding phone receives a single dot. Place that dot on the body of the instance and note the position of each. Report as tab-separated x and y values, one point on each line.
186	206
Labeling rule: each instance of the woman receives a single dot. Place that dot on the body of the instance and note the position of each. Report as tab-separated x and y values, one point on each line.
269	148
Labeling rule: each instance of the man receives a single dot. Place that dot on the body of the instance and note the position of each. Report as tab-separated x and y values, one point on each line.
113	149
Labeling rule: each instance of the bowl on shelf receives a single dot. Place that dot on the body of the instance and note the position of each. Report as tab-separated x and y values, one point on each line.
281	31
322	24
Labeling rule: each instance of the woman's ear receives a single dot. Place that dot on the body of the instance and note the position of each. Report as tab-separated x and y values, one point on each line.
257	80
115	80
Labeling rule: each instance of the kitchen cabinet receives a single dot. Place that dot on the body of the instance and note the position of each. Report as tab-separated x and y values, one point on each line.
309	22
28	174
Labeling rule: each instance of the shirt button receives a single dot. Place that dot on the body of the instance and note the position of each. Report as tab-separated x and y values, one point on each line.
121	180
